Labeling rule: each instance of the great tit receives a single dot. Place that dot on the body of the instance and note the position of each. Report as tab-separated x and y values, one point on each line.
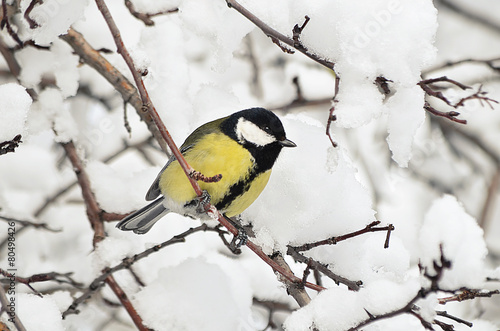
241	147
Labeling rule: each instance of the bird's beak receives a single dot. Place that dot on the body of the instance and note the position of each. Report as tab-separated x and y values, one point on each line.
287	143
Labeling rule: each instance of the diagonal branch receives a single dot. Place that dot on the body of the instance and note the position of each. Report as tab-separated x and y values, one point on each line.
278	37
150	109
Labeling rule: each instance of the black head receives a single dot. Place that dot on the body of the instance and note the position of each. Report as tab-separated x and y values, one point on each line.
256	126
260	131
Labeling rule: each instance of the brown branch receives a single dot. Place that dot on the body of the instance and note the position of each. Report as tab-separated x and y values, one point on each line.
278	37
149	108
145	17
452	115
94	58
94	214
352	285
272	307
43	277
334	240
5	303
331	116
468	294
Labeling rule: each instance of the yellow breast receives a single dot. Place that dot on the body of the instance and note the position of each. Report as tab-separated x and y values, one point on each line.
215	154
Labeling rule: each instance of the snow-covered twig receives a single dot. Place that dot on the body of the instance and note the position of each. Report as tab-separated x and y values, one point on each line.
43	277
279	38
145	17
452	115
372	227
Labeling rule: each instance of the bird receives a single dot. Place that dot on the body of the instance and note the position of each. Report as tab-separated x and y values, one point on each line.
239	150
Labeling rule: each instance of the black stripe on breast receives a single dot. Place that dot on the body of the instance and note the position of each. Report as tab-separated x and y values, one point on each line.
236	190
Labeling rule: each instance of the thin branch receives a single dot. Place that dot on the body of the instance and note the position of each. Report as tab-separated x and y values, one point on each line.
372	227
278	37
145	17
454	6
5	303
25	223
43	277
352	285
489	63
94	214
468	294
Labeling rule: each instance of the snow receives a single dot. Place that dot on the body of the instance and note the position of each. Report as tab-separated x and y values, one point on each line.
200	285
44	14
15	103
39	313
447	224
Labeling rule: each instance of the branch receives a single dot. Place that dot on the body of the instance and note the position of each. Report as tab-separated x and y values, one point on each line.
149	108
278	37
5	303
468	294
43	277
489	63
352	285
94	214
478	95
145	17
334	240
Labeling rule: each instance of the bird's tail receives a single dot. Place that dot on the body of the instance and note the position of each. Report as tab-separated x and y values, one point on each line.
142	220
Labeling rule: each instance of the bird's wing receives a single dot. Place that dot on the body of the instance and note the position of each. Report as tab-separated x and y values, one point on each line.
154	191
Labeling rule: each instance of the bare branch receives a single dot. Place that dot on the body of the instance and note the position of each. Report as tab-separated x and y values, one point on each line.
144	17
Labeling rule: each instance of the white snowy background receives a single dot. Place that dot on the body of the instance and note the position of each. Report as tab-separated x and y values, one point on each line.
394	162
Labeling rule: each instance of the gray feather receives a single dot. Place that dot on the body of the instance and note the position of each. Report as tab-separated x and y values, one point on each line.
142	220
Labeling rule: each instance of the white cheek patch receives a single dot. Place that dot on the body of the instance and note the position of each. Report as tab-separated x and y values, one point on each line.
246	130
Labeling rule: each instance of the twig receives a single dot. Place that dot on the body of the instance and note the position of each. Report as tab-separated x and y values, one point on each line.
144	17
468	294
278	37
5	303
352	285
331	116
452	115
33	24
43	277
456	319
334	240
5	23
25	223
